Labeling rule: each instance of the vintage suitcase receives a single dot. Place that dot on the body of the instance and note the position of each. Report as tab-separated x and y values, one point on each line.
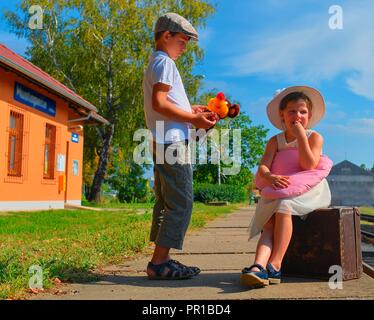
328	237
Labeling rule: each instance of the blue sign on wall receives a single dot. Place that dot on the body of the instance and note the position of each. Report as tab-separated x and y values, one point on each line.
75	137
34	99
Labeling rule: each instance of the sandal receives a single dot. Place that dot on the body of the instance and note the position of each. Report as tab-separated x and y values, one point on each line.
274	275
195	270
255	279
169	271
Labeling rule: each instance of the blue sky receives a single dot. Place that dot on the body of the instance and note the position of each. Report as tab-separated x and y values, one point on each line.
255	47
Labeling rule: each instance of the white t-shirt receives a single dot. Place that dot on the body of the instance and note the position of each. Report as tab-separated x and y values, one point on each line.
162	69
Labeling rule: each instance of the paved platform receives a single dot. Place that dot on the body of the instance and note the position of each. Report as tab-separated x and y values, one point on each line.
221	250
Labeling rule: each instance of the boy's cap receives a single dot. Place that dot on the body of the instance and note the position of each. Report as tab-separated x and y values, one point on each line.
175	23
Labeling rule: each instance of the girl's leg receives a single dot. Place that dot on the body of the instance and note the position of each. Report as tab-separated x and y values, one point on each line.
282	237
265	244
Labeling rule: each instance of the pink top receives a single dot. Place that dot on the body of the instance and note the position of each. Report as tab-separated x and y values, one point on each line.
286	162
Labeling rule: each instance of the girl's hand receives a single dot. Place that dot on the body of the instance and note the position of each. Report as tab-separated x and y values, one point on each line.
298	130
278	182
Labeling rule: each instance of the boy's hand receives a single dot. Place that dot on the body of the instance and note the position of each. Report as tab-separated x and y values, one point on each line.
212	116
278	181
199	109
202	120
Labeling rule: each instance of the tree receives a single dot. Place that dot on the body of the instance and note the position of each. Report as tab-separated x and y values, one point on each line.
126	177
252	146
99	49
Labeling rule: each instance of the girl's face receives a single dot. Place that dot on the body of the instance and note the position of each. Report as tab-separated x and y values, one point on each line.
295	111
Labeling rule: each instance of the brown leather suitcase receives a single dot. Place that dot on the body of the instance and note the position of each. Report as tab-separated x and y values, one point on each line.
327	237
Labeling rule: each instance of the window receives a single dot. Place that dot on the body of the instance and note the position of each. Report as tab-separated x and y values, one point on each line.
15	144
49	151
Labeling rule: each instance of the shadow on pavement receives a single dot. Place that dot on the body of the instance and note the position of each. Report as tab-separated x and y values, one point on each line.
226	282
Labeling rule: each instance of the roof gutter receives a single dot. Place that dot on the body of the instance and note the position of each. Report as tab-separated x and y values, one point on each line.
92	115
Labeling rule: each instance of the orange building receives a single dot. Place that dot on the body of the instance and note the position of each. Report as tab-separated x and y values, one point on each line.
41	137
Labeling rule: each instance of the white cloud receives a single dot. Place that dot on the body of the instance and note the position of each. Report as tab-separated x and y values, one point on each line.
362	126
311	52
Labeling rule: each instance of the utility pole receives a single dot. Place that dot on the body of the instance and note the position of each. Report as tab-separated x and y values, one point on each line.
218	150
219	168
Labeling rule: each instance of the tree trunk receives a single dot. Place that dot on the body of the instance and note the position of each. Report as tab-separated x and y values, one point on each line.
107	137
94	194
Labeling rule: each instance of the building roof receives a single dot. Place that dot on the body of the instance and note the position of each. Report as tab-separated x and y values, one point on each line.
347	168
15	62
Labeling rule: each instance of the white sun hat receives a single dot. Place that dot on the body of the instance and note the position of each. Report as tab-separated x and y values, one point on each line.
318	105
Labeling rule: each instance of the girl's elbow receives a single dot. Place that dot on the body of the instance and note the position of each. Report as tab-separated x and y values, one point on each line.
309	166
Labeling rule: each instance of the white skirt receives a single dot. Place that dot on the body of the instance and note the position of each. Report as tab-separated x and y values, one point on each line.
317	197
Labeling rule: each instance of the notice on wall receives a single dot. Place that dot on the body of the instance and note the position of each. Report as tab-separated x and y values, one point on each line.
75	167
61	162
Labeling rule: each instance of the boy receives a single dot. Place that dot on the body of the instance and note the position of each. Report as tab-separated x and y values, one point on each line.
166	103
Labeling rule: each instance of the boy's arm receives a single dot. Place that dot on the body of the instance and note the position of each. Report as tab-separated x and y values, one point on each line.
162	105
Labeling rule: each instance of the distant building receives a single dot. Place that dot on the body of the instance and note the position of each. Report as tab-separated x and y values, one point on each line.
351	185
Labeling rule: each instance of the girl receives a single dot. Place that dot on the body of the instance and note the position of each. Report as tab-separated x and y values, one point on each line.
294	111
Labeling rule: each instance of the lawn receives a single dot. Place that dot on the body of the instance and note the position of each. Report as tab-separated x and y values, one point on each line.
367	210
365	225
117	205
71	244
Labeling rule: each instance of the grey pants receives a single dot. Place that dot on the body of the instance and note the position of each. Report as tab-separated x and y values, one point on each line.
174	200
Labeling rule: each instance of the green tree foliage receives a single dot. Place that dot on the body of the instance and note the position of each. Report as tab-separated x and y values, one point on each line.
126	177
224	192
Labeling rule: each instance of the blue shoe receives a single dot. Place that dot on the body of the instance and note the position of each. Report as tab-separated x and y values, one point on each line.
257	279
274	276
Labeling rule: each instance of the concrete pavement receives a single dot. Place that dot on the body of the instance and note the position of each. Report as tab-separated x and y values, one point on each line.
221	250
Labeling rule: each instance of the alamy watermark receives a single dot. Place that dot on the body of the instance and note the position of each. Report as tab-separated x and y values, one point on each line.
225	148
336	19
336	281
36	20
36	279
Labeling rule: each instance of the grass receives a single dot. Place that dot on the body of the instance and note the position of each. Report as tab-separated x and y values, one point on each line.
117	205
71	244
366	225
367	210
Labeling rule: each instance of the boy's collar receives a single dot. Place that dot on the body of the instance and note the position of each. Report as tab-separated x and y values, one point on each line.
161	52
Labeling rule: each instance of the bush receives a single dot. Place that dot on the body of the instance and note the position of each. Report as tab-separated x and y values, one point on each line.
224	192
